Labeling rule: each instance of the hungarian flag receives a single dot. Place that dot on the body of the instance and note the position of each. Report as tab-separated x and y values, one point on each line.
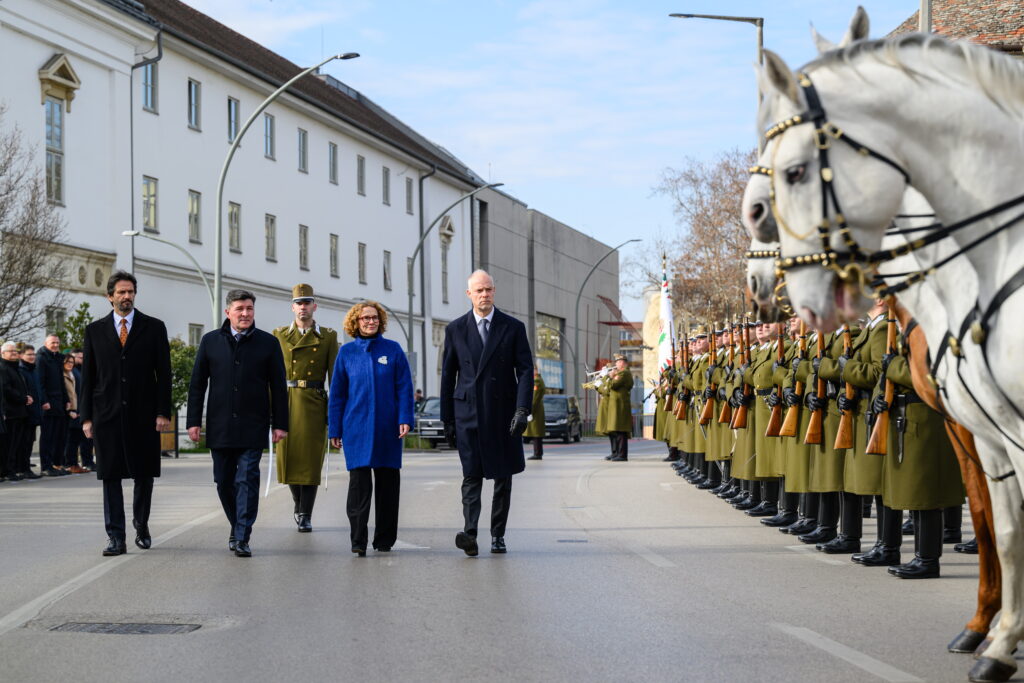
667	325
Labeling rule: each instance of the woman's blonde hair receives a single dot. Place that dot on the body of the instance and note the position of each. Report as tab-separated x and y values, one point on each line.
351	324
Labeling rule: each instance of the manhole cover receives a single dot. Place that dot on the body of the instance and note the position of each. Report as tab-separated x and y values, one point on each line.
572	540
126	629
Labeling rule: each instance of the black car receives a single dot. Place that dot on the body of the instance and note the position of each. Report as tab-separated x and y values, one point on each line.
562	418
428	421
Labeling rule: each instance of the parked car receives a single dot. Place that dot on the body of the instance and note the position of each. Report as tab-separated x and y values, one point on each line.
562	418
428	421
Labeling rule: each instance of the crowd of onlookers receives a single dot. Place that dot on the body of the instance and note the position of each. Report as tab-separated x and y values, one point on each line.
40	390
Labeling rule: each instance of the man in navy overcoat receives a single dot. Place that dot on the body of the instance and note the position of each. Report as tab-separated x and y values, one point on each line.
486	394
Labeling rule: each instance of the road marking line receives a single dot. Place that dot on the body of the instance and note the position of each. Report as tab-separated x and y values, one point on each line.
810	551
31	609
402	545
651	556
848	654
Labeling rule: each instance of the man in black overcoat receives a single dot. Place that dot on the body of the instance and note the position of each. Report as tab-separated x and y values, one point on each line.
486	394
16	400
50	372
244	370
126	403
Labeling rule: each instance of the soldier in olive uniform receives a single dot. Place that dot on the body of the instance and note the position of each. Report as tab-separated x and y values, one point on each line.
309	352
767	380
620	414
694	383
535	429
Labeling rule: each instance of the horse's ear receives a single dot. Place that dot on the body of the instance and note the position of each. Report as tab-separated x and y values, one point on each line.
821	42
775	75
859	27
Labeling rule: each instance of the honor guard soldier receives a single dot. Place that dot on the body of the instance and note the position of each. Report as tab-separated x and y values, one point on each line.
620	414
309	353
535	430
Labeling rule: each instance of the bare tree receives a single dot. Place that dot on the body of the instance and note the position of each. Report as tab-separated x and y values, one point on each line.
31	275
706	257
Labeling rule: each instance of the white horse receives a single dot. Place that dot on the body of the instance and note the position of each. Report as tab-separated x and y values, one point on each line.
951	98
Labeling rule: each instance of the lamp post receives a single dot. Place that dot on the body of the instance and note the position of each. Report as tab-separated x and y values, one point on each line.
412	262
756	21
218	283
199	269
576	344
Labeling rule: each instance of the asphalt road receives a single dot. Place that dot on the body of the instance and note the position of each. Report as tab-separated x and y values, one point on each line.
615	571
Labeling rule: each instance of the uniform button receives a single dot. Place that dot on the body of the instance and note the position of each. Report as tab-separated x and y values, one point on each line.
295	361
238	362
309	373
124	403
236	388
124	379
234	414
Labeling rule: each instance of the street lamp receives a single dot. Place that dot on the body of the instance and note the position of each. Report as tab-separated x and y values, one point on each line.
576	373
218	283
416	252
199	269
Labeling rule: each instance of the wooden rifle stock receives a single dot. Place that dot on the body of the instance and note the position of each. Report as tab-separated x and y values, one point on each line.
789	425
814	427
739	416
725	416
709	405
775	421
682	400
878	444
844	438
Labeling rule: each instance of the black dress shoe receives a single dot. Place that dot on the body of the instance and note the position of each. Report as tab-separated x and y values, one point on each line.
232	543
908	527
467	544
820	535
801	526
498	545
857	557
782	519
382	548
304	526
29	474
917	568
242	549
721	488
879	557
359	550
952	536
618	458
142	537
746	504
669	458
707	484
970	547
732	493
609	456
765	508
840	545
114	547
14	476
536	457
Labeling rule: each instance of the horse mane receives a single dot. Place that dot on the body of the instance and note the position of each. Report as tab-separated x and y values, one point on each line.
1000	77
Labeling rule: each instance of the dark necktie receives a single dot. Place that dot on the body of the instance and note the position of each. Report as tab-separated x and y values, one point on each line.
485	325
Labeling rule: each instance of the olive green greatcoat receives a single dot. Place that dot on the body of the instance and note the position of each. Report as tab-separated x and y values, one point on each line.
535	426
713	445
620	412
928	476
764	447
863	473
781	377
798	454
743	454
309	356
666	383
827	463
696	383
601	425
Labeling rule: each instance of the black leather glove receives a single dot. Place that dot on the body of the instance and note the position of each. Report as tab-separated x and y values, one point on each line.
721	393
710	371
449	434
708	392
815	363
847	405
790	397
519	423
775	366
886	359
831	390
879	405
772	399
795	364
812	401
843	360
738	397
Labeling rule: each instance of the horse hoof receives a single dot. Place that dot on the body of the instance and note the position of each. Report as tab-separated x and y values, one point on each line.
966	642
991	670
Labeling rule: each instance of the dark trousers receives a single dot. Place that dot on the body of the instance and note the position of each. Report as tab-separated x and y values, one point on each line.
538	445
10	440
891	527
828	509
927	533
472	487
620	443
113	505
303	496
51	441
237	473
28	439
853	515
360	491
86	451
72	442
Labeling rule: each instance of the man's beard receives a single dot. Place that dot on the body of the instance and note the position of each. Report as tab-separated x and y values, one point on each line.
125	307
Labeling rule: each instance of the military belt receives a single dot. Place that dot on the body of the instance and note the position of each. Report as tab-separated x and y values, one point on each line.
763	392
306	383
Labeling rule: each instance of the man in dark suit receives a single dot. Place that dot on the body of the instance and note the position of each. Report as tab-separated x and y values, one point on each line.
126	403
486	393
35	413
16	399
244	369
50	371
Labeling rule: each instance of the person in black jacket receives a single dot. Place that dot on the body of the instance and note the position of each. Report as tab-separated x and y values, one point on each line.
50	371
15	401
126	403
244	370
27	366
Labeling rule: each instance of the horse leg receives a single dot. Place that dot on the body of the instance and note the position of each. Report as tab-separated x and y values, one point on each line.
997	663
980	505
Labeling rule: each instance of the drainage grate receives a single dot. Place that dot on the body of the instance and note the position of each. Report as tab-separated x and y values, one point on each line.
571	540
126	629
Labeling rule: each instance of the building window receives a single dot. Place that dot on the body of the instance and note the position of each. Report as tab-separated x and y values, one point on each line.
332	162
334	256
444	272
304	247
149	204
360	175
387	270
235	227
149	87
232	119
303	151
195	334
193	217
55	319
270	232
193	104
362	263
55	150
385	183
408	196
268	136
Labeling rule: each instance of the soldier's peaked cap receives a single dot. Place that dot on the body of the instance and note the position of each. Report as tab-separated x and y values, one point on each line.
302	292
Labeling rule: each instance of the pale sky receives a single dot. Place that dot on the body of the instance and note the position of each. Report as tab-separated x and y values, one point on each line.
576	105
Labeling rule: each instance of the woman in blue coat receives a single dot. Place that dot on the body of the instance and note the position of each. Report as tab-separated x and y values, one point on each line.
371	408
